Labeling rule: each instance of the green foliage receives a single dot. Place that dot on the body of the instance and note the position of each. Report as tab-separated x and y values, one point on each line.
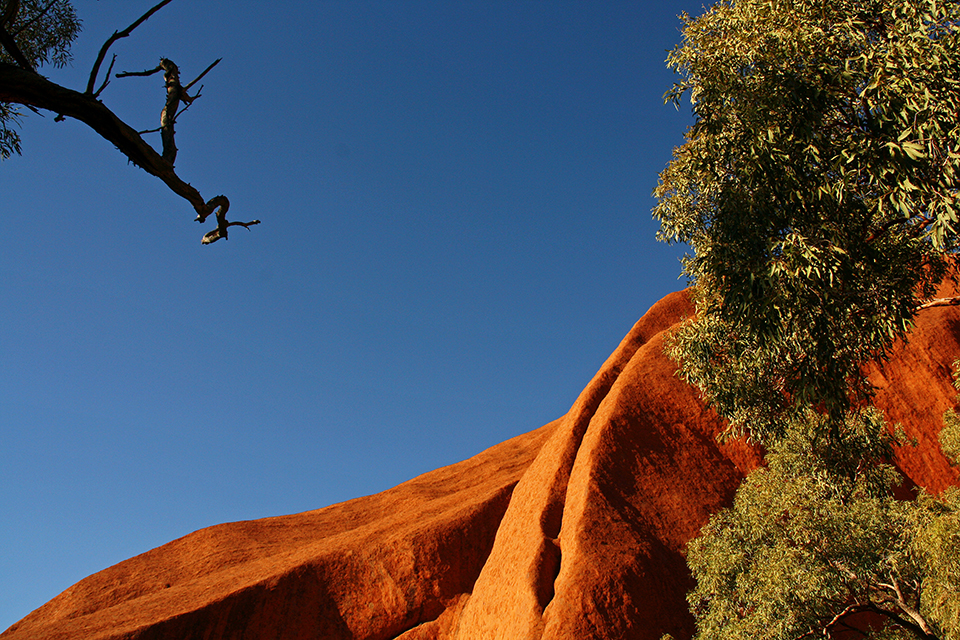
950	436
934	525
818	190
815	538
9	138
42	31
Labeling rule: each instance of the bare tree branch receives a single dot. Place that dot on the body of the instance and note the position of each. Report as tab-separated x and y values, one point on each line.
197	79
20	86
148	72
168	116
221	231
106	78
176	93
116	36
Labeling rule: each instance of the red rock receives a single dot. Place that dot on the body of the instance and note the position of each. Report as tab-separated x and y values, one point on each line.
575	530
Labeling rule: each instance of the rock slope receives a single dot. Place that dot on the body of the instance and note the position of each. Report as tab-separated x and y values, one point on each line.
574	530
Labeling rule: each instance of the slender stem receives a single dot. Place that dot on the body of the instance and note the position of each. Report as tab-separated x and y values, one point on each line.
116	36
106	78
197	79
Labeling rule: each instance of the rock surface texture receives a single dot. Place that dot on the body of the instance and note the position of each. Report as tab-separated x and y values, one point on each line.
575	530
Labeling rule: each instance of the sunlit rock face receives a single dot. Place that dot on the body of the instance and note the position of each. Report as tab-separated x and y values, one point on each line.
574	530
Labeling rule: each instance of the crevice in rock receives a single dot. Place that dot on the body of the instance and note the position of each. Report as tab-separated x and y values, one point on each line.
549	564
582	413
437	627
425	622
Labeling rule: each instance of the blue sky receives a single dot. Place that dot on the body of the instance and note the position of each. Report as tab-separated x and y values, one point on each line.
455	200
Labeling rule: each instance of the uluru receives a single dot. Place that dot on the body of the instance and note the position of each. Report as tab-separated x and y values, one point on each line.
576	529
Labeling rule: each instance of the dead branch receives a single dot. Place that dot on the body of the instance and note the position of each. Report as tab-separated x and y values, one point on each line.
221	231
199	77
221	204
106	78
116	36
176	93
21	84
148	72
21	87
27	88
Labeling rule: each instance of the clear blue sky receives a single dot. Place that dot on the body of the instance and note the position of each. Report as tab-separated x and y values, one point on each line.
456	233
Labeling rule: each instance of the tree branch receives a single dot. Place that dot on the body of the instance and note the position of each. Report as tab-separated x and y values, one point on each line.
106	78
176	93
197	79
148	72
19	86
901	602
917	625
221	230
10	45
938	302
853	608
116	36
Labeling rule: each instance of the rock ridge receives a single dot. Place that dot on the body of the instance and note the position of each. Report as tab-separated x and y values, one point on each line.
574	530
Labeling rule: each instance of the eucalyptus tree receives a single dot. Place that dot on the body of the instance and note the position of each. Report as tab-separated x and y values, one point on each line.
816	545
34	33
817	189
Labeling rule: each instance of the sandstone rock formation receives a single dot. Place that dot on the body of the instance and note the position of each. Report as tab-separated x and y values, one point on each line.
574	530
